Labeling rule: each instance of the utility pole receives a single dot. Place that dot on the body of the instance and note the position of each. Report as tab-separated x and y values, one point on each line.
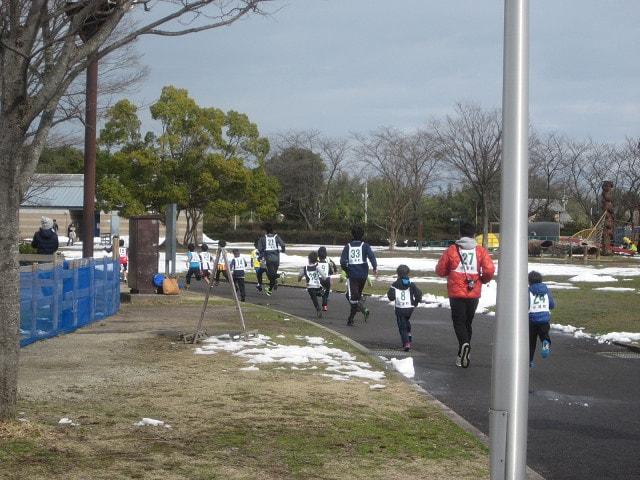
510	372
89	204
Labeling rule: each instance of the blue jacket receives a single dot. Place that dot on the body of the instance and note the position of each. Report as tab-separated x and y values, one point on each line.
540	303
360	270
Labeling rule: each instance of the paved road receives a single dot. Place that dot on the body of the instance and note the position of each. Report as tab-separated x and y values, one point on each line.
584	403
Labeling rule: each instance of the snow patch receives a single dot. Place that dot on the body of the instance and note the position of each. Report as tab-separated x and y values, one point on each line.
67	421
151	422
316	354
592	277
615	289
404	366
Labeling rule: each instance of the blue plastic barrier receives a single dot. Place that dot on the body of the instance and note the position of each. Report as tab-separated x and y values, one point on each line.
61	297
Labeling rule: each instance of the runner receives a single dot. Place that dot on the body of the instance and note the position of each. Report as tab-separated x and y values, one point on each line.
313	276
269	246
328	267
353	261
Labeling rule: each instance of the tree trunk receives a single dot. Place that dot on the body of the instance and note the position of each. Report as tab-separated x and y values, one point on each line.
10	154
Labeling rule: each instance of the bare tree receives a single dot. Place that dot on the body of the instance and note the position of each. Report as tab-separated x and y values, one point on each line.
333	152
41	55
471	141
548	161
403	166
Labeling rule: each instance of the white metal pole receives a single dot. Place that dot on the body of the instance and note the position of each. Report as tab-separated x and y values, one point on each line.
510	373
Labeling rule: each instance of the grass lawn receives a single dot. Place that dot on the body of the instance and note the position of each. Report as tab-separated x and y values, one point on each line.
226	423
598	311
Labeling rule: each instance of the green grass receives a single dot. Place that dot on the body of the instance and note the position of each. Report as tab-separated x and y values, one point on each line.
597	311
227	423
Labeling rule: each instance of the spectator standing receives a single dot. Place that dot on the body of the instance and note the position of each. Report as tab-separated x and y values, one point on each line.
71	234
45	240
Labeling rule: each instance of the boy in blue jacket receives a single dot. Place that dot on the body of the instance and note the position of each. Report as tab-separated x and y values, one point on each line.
540	305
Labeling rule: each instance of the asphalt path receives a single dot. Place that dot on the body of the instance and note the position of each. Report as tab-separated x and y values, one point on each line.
584	400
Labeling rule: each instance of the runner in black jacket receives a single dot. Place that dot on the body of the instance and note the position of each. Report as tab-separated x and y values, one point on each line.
406	297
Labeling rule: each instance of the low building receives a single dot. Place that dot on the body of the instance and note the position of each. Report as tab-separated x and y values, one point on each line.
60	197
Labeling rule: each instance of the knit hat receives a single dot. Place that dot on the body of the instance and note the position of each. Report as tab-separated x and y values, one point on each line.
47	223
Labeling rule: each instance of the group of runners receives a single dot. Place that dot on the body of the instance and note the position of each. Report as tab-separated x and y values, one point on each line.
465	264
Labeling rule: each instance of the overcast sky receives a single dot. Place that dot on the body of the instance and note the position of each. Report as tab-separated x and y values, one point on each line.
341	66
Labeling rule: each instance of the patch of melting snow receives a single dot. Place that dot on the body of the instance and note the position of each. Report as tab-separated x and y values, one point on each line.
251	368
404	366
151	422
592	277
316	354
615	289
377	386
578	332
67	421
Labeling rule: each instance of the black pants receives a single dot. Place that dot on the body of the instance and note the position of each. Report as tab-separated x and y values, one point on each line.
462	312
239	286
191	272
536	330
314	293
326	284
272	272
355	286
404	325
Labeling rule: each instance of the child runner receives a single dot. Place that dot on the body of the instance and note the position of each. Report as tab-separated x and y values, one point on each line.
540	305
258	266
354	263
222	264
406	296
206	260
123	256
270	245
193	264
238	266
328	267
313	276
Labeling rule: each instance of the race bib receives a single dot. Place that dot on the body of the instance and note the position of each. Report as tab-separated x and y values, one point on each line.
240	263
206	260
271	244
403	298
122	251
538	303
313	279
468	258
324	268
355	255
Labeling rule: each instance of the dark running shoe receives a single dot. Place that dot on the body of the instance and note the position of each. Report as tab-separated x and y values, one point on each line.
464	355
350	322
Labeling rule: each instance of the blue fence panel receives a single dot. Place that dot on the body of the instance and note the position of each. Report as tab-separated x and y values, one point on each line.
61	297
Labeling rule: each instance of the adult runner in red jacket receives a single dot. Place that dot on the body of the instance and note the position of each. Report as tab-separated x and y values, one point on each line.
467	266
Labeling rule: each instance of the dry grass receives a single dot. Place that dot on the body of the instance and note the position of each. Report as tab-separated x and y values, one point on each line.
226	423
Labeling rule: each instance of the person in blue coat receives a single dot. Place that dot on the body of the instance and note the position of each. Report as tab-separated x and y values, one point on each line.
540	305
353	261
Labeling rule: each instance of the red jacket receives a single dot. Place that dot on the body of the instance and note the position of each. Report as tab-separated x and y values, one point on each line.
479	268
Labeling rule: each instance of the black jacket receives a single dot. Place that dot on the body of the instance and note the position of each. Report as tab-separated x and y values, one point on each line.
45	241
415	292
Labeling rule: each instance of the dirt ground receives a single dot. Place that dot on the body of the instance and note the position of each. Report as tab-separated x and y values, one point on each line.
225	423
